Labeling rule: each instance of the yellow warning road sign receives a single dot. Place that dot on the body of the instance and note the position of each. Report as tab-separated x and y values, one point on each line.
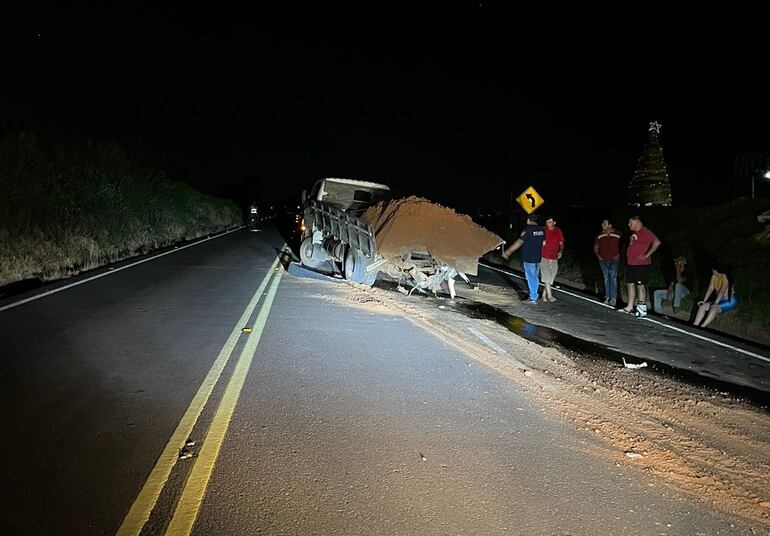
530	200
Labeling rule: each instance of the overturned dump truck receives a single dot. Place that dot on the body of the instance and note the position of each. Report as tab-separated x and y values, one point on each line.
354	229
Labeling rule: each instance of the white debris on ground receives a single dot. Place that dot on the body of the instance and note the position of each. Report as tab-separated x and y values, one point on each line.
634	365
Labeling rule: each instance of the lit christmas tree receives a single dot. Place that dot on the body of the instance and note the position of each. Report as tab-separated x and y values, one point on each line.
649	186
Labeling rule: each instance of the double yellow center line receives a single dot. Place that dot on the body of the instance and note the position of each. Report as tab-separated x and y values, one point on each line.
195	487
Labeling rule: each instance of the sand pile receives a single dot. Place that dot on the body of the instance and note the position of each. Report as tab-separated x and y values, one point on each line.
415	224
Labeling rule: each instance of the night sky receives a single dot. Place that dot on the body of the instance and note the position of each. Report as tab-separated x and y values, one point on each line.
491	100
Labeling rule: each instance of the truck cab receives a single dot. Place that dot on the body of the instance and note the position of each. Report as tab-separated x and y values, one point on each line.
348	195
334	239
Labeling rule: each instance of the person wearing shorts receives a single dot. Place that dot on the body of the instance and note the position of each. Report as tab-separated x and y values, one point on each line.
553	246
642	244
721	287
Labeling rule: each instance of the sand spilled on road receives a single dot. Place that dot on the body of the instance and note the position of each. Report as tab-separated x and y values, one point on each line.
705	443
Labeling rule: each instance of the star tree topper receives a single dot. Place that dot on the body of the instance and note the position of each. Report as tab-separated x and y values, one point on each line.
655	126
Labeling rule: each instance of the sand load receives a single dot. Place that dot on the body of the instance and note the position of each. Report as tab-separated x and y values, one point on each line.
416	225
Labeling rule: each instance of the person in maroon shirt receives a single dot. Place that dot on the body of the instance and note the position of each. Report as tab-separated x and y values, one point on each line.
642	244
553	246
607	250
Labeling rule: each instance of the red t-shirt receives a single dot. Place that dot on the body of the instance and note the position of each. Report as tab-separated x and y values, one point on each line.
552	240
609	245
640	242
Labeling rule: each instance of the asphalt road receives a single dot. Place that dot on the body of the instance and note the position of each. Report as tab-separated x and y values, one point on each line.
657	339
325	419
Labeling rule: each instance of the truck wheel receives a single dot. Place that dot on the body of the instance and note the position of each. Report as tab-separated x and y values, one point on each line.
355	268
312	255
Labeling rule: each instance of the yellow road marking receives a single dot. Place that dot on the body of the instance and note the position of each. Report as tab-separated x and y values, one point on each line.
194	489
144	503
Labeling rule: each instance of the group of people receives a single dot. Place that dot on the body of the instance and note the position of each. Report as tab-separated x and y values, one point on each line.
542	247
641	246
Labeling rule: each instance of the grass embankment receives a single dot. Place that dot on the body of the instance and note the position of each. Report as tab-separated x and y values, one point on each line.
703	235
66	207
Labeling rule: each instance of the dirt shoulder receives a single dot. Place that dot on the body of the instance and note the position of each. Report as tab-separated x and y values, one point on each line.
706	443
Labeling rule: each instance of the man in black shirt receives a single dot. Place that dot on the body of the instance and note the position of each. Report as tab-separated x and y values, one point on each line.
531	243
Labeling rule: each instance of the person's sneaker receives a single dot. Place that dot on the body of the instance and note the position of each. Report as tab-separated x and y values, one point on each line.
532	302
611	303
641	310
551	299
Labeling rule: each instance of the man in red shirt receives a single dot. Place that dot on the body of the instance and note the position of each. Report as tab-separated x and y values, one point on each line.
607	250
552	250
642	244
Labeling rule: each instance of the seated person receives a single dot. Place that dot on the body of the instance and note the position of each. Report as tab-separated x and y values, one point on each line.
676	289
721	286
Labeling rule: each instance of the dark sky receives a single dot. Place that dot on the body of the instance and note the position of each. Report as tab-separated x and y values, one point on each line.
461	104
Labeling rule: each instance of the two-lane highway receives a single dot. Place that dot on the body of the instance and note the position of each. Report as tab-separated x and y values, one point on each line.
304	417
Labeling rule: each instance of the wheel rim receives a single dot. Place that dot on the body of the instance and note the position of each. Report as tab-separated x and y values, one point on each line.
308	253
350	265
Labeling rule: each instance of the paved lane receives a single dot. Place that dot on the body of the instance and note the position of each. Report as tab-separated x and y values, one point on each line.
331	420
95	379
675	344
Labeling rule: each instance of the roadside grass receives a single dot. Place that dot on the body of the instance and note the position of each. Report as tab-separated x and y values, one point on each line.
66	207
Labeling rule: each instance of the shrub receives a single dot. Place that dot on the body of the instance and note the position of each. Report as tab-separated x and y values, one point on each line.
67	207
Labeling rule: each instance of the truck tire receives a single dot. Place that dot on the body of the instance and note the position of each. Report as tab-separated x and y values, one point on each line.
312	255
355	268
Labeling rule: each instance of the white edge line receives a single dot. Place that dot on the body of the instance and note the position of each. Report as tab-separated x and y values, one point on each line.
674	328
113	271
519	365
496	347
554	288
696	335
489	342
